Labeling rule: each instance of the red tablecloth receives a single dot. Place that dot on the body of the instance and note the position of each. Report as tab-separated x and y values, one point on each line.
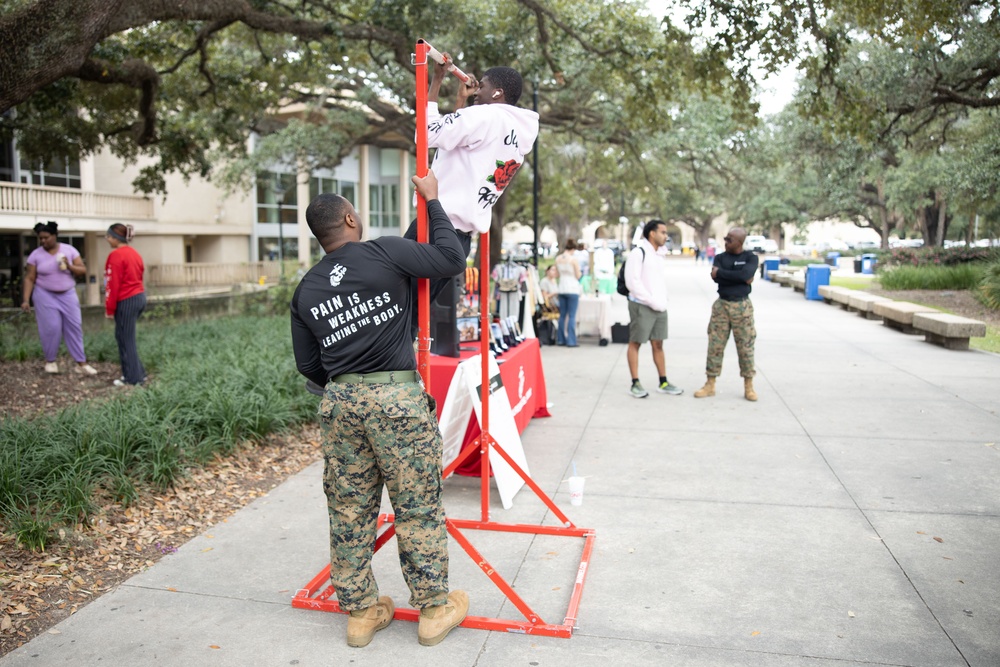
523	378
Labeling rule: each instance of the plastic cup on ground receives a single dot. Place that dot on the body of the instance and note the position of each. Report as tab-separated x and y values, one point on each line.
576	490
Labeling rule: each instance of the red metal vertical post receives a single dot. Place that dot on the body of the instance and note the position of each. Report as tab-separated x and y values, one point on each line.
485	440
423	284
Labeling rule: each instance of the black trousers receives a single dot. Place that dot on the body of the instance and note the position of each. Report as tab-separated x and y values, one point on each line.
437	284
127	313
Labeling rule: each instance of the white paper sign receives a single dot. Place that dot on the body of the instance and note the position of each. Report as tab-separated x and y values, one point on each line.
462	400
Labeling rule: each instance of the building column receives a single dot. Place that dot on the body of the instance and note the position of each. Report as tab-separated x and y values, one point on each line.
92	290
364	181
302	197
405	195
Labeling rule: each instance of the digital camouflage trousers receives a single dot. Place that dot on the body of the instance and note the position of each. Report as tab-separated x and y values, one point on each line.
735	317
387	434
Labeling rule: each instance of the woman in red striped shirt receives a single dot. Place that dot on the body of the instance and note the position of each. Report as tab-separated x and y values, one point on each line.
125	300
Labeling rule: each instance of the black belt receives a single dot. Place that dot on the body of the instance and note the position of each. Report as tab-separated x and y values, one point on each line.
382	377
734	299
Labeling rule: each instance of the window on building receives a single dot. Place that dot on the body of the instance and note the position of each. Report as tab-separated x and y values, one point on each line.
59	173
7	161
322	185
267	248
384	203
267	202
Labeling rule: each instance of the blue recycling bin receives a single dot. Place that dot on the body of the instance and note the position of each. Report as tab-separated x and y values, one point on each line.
832	258
868	262
770	265
816	275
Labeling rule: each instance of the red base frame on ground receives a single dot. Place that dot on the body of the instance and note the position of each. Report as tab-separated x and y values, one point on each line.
319	593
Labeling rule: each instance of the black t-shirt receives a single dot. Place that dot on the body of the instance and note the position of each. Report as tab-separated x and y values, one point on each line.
734	272
351	312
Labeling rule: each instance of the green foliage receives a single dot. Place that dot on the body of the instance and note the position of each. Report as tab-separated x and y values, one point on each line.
988	290
219	384
937	256
308	83
931	277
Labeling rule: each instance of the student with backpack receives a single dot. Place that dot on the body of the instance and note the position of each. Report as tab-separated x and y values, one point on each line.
645	285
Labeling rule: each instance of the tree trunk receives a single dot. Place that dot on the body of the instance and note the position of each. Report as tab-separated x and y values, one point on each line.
942	207
883	215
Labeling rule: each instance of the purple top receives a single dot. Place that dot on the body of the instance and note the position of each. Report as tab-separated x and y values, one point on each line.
48	276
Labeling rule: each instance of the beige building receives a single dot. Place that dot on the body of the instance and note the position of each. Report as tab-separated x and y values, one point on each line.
196	236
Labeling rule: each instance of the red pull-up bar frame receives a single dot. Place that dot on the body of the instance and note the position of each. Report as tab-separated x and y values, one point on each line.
318	593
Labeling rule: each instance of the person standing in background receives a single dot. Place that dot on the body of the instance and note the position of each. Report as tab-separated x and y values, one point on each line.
569	294
733	270
51	278
125	300
645	277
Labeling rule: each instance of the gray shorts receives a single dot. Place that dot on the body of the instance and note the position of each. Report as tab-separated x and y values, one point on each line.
645	324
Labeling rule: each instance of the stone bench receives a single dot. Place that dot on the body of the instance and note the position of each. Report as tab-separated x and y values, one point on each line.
862	303
827	292
843	297
899	314
783	278
950	331
798	281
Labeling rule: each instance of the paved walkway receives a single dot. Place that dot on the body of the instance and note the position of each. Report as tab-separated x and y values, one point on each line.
850	517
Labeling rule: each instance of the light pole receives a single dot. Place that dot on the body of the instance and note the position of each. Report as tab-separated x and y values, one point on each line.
279	198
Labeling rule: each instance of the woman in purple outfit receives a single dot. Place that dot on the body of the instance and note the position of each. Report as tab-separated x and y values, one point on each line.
51	279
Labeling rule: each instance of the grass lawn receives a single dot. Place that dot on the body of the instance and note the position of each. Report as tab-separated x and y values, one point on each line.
852	282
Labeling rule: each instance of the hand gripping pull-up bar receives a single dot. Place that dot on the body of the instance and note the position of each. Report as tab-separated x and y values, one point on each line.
439	58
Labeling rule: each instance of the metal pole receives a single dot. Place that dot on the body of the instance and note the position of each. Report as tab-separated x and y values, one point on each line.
485	320
281	244
279	198
534	159
423	284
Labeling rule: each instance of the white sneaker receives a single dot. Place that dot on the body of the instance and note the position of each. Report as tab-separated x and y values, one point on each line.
86	369
51	367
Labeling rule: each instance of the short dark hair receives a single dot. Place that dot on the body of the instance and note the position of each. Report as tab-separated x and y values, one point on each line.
325	213
650	227
570	244
508	80
50	227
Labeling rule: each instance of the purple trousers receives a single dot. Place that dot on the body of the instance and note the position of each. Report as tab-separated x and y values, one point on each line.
58	317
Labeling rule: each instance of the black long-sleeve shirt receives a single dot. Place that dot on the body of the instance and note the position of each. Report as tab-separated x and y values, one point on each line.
351	312
734	273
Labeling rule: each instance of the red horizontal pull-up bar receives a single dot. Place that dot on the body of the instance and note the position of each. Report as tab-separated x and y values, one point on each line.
439	58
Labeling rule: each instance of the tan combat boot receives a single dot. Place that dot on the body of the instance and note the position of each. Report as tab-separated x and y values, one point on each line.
748	391
707	390
364	623
437	622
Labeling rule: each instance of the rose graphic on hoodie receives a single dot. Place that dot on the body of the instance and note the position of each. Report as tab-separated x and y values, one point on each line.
503	174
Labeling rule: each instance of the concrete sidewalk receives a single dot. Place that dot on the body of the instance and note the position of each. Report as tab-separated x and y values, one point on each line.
849	517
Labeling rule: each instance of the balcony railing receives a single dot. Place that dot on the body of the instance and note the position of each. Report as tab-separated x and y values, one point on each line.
19	198
210	275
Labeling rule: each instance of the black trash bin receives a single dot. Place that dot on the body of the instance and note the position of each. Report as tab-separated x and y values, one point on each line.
857	264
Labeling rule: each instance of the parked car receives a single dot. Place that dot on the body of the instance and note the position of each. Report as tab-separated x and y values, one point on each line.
770	246
755	243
